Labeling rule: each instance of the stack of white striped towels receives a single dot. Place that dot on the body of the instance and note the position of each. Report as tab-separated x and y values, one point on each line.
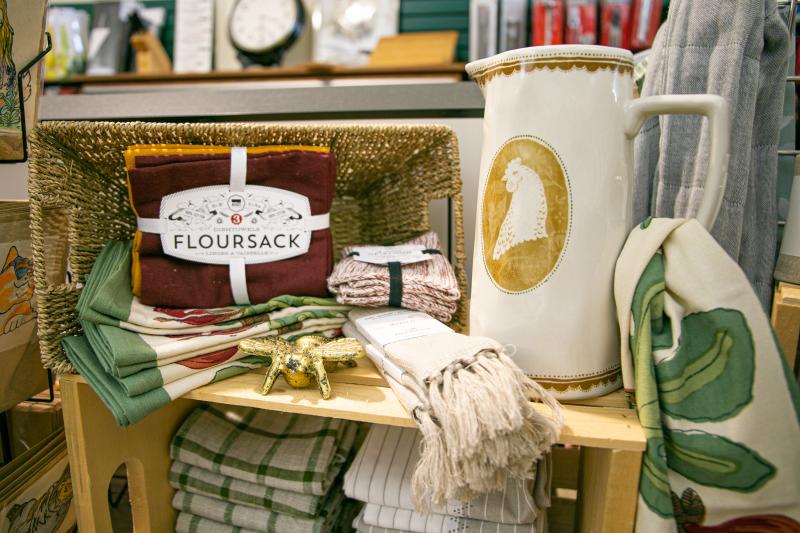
380	476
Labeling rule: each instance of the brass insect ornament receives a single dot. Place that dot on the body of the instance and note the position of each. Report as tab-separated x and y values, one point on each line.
308	357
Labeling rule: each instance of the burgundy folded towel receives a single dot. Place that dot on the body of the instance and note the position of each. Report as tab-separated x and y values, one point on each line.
172	282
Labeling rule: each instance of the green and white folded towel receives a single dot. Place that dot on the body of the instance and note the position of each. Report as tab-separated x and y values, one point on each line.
191	523
148	379
203	482
280	450
129	410
123	353
108	300
138	358
259	519
719	407
189	478
128	336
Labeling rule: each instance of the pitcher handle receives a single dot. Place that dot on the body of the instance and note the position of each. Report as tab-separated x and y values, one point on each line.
715	108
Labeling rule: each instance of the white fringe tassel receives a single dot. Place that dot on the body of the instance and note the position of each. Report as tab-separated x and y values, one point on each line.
479	428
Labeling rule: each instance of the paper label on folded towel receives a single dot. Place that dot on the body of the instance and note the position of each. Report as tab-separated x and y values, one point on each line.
400	325
214	224
383	255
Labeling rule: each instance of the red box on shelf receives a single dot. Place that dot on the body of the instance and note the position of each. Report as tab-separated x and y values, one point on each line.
615	29
646	19
548	22
581	25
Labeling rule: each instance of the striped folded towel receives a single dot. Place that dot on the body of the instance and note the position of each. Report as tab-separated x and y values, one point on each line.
191	523
383	468
196	480
259	519
284	451
382	519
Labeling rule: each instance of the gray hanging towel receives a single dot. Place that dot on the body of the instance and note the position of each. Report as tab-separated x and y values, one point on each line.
737	49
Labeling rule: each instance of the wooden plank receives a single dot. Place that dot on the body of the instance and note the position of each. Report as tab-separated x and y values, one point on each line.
608	490
584	426
566	463
377	405
367	374
317	71
420	48
786	320
97	446
561	516
605	427
364	374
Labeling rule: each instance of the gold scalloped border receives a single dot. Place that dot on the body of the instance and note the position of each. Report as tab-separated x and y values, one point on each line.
584	384
565	63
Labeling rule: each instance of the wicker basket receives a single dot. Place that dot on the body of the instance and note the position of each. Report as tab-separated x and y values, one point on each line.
386	178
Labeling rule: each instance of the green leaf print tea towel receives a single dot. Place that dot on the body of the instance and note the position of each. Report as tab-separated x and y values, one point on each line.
129	336
719	408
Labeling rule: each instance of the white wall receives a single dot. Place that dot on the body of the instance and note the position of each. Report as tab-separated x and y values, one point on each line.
14	181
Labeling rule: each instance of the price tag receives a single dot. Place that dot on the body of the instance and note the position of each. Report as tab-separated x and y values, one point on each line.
382	255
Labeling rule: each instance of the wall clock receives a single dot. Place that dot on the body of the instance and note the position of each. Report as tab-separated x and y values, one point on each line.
262	30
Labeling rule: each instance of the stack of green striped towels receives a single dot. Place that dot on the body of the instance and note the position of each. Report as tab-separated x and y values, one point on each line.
138	357
242	469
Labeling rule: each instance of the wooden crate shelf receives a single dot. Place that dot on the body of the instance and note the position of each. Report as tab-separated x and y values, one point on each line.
606	429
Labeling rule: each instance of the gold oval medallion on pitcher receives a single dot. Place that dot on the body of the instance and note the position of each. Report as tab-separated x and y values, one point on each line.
526	214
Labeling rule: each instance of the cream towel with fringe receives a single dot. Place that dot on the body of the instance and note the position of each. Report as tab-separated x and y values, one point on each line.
471	403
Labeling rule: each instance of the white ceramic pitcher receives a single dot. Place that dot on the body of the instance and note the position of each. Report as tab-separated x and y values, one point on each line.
555	205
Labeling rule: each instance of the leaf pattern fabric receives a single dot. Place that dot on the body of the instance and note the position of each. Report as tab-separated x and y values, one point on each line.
715	400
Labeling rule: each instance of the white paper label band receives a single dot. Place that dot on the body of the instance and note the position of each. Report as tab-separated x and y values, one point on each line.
382	255
238	278
159	225
238	168
398	325
214	224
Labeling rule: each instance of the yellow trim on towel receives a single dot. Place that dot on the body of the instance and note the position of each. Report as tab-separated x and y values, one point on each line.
197	149
136	271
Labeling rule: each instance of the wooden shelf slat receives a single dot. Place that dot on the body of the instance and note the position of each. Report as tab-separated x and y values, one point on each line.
361	394
316	71
365	403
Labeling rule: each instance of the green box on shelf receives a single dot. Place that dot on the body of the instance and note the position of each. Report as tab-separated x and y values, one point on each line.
424	7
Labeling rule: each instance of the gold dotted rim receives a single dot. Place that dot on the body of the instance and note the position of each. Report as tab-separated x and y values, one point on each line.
577	383
482	74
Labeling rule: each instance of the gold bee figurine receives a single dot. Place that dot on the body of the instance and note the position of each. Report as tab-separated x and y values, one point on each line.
307	357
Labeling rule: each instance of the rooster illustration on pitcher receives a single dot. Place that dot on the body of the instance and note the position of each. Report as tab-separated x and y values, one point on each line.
527	213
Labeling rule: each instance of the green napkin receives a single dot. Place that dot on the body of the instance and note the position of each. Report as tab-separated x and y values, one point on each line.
129	410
